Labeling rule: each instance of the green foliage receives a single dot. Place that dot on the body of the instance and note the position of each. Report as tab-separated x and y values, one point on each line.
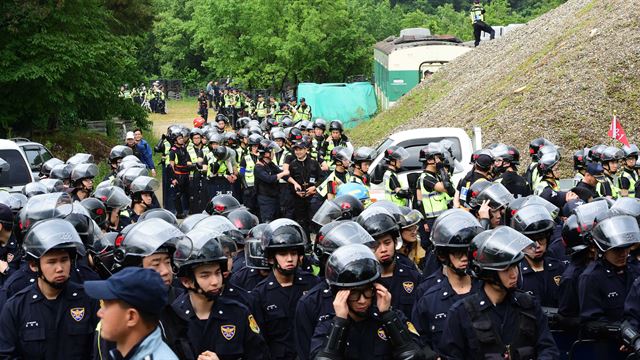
61	62
262	44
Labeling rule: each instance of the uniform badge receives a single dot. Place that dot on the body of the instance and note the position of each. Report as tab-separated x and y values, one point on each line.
408	286
253	325
77	313
412	329
381	334
9	257
228	331
556	279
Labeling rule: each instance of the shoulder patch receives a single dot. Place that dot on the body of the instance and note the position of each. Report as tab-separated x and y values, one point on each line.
77	313
556	279
253	325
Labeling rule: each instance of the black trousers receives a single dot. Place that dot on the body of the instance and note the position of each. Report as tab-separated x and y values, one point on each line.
478	28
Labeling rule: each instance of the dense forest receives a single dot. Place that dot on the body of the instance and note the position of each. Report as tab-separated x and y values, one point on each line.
63	60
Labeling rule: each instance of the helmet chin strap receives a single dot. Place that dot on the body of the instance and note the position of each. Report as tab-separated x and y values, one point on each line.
459	272
57	286
198	290
285	272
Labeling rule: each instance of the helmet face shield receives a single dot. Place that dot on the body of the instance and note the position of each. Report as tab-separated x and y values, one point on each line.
147	237
616	232
499	248
455	228
254	254
352	266
52	234
328	212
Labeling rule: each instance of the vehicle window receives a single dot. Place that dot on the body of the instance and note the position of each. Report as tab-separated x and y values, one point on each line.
36	155
412	162
383	146
420	143
19	174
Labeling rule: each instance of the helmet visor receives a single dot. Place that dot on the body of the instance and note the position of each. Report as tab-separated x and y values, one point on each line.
502	249
497	194
328	212
616	232
349	232
147	237
254	254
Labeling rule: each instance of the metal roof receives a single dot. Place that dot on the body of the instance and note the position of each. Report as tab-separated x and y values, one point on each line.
393	43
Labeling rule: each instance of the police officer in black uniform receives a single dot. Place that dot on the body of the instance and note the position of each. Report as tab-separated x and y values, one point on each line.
452	234
267	175
180	163
505	167
142	190
482	163
316	304
364	325
10	253
498	321
540	272
257	266
305	175
208	312
283	241
52	318
82	180
400	279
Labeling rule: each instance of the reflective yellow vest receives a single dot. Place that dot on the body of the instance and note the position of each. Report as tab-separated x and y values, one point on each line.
632	177
323	189
261	109
434	203
389	192
249	176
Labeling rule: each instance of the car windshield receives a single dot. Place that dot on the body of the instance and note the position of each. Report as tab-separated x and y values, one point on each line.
415	145
19	173
36	155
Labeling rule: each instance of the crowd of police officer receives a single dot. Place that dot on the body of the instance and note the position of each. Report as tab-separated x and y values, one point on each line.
282	254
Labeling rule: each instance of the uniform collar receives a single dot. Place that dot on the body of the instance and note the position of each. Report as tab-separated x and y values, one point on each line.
70	292
299	278
549	265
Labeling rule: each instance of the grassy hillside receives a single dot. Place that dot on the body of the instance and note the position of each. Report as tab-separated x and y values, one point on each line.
561	76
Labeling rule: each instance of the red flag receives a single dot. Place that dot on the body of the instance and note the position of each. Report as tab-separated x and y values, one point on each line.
617	132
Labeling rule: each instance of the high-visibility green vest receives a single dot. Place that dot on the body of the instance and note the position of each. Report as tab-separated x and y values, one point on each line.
577	178
476	13
323	189
222	170
167	148
389	192
280	114
249	176
434	203
632	177
280	163
302	114
543	184
261	109
615	190
238	101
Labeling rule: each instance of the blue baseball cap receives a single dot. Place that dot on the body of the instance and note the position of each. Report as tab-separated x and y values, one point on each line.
141	288
595	169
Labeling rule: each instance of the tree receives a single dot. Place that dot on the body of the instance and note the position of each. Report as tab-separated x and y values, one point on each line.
60	61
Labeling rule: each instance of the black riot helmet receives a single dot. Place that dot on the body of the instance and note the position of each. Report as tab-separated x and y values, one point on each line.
363	154
15	201
207	249
533	220
222	205
454	228
268	146
42	207
549	157
118	152
97	210
83	171
431	151
627	206
579	160
410	217
255	139
34	188
320	124
535	146
630	151
112	197
336	125
283	234
498	195
243	220
496	250
294	135
615	231
254	255
611	153
159	213
397	153
221	153
52	234
191	221
147	238
143	185
378	221
339	233
45	169
80	158
61	171
53	185
595	153
352	266
574	238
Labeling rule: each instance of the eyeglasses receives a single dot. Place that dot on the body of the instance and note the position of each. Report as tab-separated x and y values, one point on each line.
354	294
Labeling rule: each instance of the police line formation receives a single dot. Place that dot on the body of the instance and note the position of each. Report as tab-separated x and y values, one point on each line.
282	255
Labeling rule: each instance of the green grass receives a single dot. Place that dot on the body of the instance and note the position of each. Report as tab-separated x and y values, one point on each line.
409	107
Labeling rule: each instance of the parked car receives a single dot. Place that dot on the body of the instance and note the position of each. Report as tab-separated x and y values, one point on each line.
35	152
19	172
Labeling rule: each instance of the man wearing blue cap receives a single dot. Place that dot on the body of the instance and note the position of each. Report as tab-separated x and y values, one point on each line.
132	301
594	173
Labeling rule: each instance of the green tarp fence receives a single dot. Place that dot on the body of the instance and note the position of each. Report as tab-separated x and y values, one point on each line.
351	103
